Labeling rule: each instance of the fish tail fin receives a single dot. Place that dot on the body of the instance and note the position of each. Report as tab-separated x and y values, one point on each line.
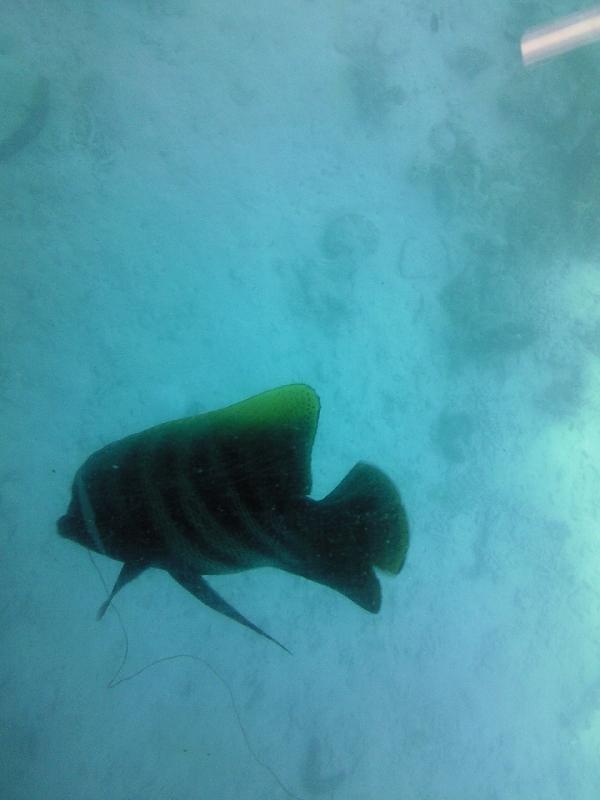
362	524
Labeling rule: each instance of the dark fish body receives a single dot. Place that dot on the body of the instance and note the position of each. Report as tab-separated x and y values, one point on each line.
228	491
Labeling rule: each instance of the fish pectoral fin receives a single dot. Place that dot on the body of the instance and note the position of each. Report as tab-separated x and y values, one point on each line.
129	571
207	595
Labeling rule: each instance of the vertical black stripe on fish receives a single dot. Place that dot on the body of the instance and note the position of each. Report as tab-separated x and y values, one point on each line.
128	513
194	527
252	500
88	514
155	473
204	493
261	499
103	485
204	480
201	494
282	538
235	503
249	531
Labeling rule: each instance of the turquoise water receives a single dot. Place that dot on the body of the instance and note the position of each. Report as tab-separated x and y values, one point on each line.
200	201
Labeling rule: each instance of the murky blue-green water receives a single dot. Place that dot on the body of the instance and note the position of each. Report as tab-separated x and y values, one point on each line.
200	201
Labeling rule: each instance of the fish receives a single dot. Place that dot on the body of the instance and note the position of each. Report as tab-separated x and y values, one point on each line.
228	490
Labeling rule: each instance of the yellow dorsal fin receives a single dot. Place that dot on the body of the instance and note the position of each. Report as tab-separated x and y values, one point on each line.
272	434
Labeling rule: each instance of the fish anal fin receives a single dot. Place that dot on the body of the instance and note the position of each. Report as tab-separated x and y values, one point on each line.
196	585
